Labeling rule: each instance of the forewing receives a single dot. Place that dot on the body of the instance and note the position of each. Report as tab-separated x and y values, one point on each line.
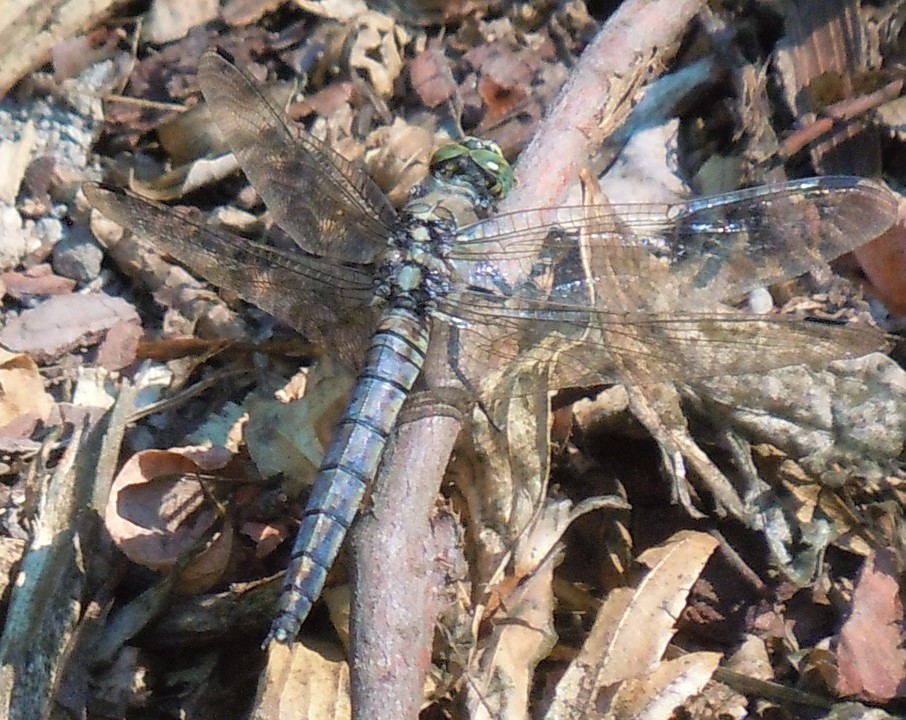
326	302
327	205
720	246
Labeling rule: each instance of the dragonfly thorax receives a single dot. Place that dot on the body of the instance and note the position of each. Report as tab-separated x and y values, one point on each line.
413	272
466	180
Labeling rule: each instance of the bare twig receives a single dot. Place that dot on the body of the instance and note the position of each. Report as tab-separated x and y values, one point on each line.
839	114
396	602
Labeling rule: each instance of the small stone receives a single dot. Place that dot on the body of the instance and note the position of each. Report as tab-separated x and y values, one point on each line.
760	301
77	255
50	230
13	238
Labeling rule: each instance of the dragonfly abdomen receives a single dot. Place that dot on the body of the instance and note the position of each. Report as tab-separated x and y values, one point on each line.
351	462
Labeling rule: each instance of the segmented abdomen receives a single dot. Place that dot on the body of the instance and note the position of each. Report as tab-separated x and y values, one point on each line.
350	464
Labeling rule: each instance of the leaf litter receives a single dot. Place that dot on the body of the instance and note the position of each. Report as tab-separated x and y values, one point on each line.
557	599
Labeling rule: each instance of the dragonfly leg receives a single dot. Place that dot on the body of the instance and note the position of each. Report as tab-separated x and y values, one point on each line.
453	346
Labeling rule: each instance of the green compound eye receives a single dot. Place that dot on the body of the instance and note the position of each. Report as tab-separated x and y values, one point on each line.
489	157
446	153
486	154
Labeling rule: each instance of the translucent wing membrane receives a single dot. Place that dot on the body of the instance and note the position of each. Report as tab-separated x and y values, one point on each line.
602	293
577	348
325	301
325	204
724	245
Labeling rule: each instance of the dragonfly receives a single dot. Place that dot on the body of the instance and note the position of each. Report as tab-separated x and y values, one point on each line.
588	294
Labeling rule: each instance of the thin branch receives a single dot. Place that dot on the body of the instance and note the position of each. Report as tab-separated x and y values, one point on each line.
837	115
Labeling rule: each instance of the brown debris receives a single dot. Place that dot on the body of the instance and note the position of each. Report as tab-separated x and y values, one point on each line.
37	280
64	322
871	659
431	78
238	13
829	47
157	513
546	571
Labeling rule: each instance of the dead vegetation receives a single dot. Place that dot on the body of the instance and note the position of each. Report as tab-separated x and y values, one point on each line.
716	547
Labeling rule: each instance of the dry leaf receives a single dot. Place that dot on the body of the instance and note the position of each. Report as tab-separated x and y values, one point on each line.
29	30
290	437
170	20
184	179
376	50
397	157
63	322
157	511
71	55
21	389
633	627
657	695
884	262
521	618
310	679
850	414
871	659
431	77
118	348
238	13
36	280
339	10
14	158
718	700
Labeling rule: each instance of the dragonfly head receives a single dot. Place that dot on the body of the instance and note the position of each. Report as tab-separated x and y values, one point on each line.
474	161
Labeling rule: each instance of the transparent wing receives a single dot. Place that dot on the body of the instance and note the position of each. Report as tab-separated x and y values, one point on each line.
328	303
575	349
633	294
722	246
328	206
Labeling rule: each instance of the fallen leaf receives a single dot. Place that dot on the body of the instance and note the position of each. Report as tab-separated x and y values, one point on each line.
850	414
63	322
21	389
308	679
656	695
184	179
170	20
632	629
237	13
290	437
71	55
36	280
397	157
376	51
157	511
120	345
325	102
339	10
884	262
431	78
266	537
871	658
14	158
504	76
